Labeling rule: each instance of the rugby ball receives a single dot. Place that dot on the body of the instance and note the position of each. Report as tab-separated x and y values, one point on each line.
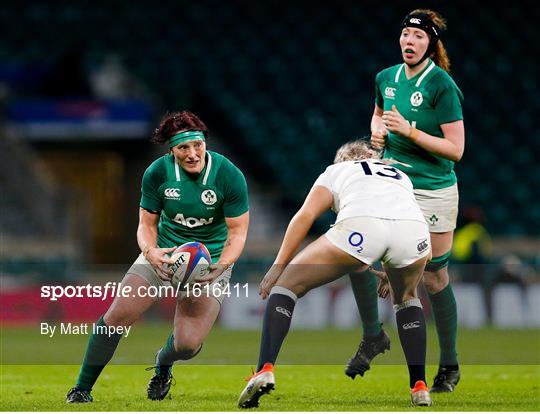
191	260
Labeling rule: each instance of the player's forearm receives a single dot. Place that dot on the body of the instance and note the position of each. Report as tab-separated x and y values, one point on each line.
147	237
441	147
234	245
296	232
377	123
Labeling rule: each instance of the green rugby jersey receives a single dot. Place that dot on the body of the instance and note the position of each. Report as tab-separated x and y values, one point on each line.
427	100
194	207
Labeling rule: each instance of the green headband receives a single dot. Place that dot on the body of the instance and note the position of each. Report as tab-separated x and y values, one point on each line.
185	136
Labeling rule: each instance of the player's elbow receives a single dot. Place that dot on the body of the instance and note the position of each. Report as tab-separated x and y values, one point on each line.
454	152
456	155
305	217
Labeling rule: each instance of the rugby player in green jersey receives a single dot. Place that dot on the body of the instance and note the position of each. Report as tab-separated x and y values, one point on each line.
189	194
418	120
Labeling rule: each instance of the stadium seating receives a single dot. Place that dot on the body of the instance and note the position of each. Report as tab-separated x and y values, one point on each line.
296	81
33	222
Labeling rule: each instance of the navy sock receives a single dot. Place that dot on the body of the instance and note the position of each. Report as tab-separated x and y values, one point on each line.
412	335
277	320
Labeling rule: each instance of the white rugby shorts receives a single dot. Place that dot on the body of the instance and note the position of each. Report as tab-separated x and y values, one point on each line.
440	207
397	243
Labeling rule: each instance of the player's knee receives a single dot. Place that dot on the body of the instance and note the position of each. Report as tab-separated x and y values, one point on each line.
114	317
436	273
404	294
435	281
187	350
298	288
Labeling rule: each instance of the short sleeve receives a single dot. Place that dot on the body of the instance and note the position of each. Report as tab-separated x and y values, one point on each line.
378	95
448	105
324	180
236	192
150	198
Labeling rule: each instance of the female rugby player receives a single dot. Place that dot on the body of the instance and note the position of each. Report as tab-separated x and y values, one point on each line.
189	194
418	120
378	218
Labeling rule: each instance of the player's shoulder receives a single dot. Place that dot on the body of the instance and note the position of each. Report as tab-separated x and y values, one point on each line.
219	161
159	166
441	83
338	167
223	165
217	158
442	79
388	73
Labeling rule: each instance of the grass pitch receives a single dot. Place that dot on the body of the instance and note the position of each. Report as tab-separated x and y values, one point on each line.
500	372
298	388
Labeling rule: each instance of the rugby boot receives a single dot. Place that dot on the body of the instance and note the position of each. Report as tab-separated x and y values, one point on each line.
446	379
259	383
420	395
369	348
78	395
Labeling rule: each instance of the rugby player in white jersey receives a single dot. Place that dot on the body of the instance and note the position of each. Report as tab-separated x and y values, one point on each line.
378	219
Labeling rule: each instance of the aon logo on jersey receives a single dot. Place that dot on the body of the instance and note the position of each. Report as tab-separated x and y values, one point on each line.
192	221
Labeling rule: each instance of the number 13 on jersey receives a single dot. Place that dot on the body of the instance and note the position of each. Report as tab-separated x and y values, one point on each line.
380	169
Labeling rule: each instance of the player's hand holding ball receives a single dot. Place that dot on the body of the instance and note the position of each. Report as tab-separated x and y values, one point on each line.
394	122
213	272
160	260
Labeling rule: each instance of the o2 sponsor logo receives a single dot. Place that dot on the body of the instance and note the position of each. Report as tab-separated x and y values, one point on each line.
355	240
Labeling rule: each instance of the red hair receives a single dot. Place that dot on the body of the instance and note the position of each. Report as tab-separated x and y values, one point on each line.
176	122
439	55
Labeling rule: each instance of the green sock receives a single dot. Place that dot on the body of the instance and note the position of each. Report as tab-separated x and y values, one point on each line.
99	352
364	287
444	308
167	355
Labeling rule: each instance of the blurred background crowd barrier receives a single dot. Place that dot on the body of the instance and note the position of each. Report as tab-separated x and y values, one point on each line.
281	86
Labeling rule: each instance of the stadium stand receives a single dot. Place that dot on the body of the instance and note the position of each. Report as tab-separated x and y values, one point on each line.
297	81
33	216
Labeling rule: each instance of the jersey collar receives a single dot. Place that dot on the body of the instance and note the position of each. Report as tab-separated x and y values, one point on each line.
179	171
418	78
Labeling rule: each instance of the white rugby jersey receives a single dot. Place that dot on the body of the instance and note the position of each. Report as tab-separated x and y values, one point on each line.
370	188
